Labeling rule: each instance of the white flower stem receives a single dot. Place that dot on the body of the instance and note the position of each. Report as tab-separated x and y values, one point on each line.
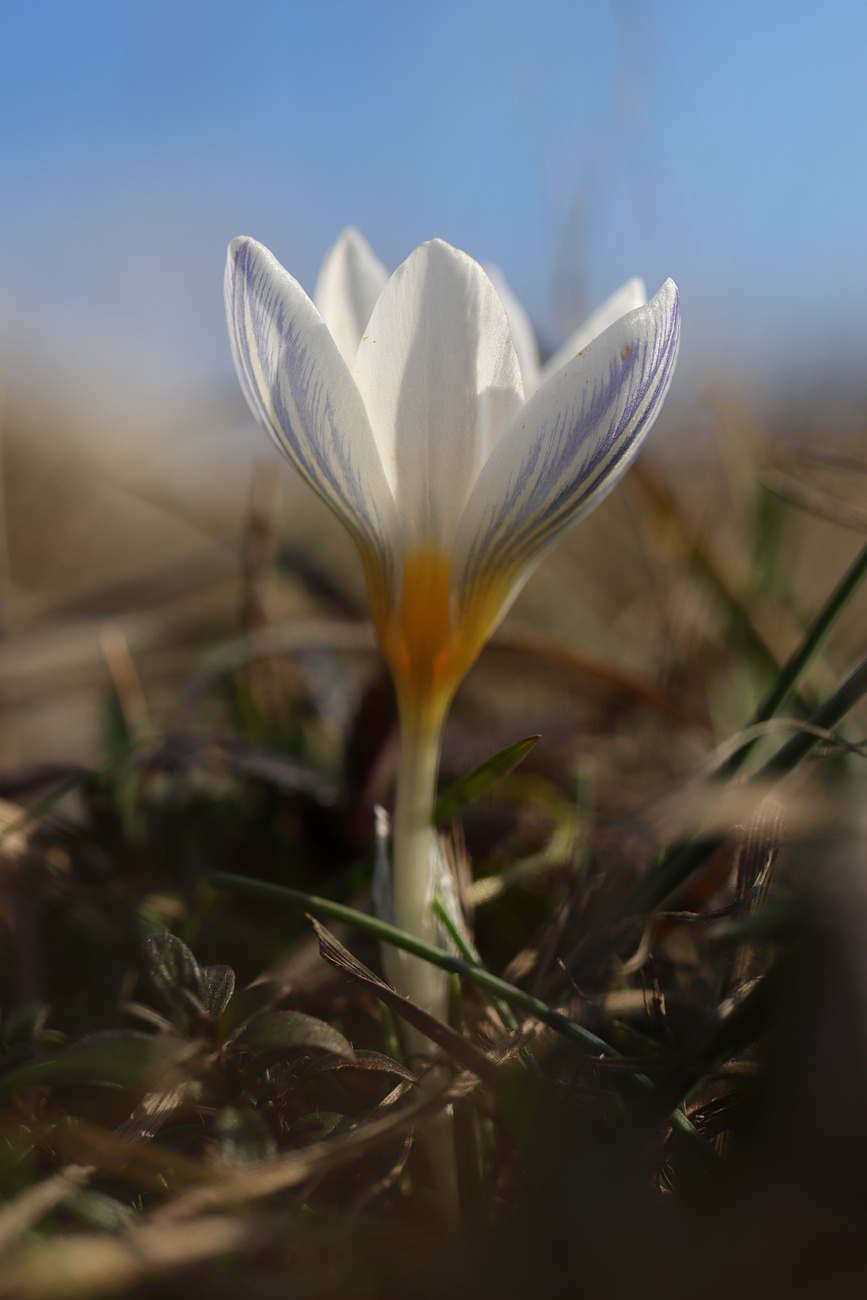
415	855
415	869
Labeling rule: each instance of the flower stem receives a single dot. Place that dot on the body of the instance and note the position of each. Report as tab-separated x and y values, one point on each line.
416	855
415	878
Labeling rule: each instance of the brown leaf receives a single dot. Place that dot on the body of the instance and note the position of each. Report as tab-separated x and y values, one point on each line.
460	1049
376	1062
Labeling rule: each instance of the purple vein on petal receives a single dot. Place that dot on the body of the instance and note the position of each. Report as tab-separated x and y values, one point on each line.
289	370
573	459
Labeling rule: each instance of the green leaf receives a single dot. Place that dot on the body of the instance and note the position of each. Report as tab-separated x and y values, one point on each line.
218	985
286	1031
480	780
375	1062
173	968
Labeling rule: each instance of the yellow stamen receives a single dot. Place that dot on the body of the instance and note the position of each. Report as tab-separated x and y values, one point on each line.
429	638
427	650
416	633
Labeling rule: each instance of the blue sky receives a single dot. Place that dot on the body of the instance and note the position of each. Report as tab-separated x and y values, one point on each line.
573	143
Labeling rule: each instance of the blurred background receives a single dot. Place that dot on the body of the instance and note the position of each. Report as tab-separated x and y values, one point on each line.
572	144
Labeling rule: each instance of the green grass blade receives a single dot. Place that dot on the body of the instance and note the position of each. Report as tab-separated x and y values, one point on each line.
385	933
828	714
480	780
676	868
469	953
806	651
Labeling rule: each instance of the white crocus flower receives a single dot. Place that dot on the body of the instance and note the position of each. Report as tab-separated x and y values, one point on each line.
452	482
628	297
352	278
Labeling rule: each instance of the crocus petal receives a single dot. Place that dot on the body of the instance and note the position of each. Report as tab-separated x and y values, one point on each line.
627	298
350	281
441	383
299	387
523	334
566	450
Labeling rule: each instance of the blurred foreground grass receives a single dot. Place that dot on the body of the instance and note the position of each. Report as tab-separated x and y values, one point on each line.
664	1093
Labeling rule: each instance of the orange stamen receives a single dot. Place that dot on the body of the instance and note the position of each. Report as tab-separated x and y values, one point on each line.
427	653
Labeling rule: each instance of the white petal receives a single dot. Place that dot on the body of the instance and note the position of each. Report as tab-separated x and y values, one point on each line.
523	334
299	387
630	295
441	383
350	281
567	449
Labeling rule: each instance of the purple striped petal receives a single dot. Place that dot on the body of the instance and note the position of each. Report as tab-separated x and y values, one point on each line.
630	295
567	448
299	387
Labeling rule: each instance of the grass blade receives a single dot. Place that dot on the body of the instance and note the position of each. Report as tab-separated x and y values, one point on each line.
799	661
676	868
480	780
385	933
